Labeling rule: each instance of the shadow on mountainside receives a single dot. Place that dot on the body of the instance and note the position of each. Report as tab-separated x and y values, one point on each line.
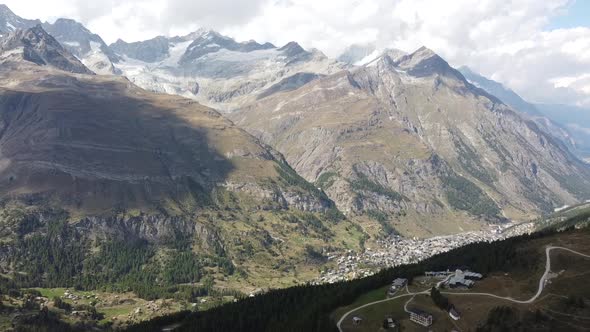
97	146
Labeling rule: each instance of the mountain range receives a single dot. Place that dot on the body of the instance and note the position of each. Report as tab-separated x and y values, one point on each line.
410	137
575	120
218	71
105	163
255	160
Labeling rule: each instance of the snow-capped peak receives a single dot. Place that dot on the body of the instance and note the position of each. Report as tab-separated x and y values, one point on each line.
425	62
369	60
41	48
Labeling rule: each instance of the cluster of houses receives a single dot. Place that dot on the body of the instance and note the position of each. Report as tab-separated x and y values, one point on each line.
453	279
397	250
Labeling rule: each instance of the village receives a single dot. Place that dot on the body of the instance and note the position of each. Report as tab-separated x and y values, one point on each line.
397	250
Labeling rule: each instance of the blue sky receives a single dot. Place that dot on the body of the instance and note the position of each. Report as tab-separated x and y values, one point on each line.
577	15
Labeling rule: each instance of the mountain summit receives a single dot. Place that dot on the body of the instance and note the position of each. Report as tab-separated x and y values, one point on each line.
425	62
85	45
10	21
39	47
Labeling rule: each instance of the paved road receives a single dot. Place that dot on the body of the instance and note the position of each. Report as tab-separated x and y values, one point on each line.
542	284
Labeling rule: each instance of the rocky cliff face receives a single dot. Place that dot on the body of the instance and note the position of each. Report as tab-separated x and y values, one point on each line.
527	109
155	49
85	45
37	46
410	133
10	22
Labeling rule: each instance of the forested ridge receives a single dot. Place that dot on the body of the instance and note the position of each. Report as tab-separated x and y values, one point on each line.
51	259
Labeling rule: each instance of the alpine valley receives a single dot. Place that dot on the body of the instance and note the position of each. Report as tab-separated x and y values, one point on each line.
140	179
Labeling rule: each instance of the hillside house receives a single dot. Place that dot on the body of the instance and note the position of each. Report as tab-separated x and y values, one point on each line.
396	285
420	317
390	323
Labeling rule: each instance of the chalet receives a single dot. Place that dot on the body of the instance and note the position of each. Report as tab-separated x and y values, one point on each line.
399	283
420	317
391	291
396	285
390	323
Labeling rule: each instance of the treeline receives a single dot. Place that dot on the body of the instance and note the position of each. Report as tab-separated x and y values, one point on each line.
308	307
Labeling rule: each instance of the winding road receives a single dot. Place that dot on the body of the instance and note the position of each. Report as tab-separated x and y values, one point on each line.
542	284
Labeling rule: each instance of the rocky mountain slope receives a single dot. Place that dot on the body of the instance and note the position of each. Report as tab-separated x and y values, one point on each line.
120	164
411	135
469	165
37	46
529	110
497	89
85	45
575	119
88	47
218	71
9	21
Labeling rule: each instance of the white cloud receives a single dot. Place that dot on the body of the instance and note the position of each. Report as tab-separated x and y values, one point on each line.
504	40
